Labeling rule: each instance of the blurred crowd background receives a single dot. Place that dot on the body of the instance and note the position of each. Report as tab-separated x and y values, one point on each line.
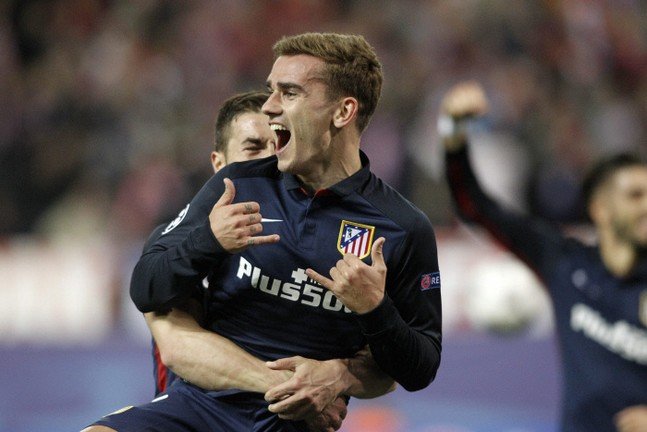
108	111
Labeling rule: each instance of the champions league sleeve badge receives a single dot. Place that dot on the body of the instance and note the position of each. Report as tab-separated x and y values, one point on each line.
355	238
177	220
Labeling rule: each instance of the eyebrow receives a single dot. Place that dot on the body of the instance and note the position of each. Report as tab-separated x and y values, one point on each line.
285	86
253	140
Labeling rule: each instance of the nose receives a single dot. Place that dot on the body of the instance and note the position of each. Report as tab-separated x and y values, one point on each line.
271	107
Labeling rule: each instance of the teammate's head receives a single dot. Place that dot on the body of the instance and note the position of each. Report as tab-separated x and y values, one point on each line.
615	192
351	67
242	130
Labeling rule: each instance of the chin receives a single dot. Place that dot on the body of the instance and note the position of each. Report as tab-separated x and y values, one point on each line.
284	166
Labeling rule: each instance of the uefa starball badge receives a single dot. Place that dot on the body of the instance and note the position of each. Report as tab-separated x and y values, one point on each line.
355	238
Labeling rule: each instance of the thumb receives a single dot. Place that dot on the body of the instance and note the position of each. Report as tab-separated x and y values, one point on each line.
376	253
228	195
289	363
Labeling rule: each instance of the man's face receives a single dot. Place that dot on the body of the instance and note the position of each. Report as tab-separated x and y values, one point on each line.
625	200
301	114
250	137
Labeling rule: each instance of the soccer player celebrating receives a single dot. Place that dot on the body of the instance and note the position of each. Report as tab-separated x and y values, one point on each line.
181	346
599	293
323	214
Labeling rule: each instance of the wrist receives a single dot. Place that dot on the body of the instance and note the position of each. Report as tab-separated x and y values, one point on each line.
344	382
452	131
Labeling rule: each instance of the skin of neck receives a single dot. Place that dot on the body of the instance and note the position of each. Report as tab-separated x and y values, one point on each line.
340	159
618	256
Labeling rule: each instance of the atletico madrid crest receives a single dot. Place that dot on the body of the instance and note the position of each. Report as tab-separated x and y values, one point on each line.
355	238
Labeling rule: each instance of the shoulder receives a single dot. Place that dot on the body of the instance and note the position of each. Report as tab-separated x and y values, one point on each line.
152	238
393	204
266	167
259	168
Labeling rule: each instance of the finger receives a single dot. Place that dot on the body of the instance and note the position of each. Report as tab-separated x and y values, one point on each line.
255	229
290	408
336	275
228	195
377	255
335	423
321	280
261	240
288	363
280	392
250	207
247	208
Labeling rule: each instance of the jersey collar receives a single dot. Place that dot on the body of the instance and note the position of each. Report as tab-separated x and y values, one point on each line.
342	188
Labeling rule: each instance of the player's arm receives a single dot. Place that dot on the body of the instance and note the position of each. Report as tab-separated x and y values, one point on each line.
213	362
207	359
211	227
403	327
532	240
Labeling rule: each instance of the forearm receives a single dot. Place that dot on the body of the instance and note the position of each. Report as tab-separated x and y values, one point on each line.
534	241
411	357
207	359
166	274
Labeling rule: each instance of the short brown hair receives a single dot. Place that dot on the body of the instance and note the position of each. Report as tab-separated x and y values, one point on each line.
233	107
352	67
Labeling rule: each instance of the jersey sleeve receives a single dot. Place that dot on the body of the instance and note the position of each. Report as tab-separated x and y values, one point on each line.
172	266
404	331
532	240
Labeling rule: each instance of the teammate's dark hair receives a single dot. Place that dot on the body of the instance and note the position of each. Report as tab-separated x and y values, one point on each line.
604	170
232	108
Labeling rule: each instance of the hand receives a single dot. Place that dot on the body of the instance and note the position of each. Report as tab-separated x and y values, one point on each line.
632	419
463	101
330	419
466	99
236	226
314	385
358	285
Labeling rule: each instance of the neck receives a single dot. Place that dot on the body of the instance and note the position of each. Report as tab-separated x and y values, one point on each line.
338	162
618	256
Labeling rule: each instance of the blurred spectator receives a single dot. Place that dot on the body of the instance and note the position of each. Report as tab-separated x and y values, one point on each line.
93	89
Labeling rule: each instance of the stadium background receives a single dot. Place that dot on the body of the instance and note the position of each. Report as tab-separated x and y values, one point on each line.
105	127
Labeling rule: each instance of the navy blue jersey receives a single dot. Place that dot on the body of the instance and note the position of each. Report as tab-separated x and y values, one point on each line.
163	376
600	326
263	299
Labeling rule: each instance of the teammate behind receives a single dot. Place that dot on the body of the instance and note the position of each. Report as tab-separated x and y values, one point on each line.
241	133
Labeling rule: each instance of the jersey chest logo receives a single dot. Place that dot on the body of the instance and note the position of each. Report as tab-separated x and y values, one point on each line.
355	238
642	308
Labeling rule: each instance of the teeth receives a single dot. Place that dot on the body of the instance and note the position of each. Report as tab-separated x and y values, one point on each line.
278	127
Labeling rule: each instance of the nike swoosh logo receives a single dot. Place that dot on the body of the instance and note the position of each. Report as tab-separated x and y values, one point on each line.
271	220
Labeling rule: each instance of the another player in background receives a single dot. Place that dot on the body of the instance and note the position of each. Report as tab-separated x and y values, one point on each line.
180	344
599	293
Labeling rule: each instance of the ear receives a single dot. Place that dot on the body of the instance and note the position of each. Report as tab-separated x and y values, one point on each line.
346	112
598	210
218	160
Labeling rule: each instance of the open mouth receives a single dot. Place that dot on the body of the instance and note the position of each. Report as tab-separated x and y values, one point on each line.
282	136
